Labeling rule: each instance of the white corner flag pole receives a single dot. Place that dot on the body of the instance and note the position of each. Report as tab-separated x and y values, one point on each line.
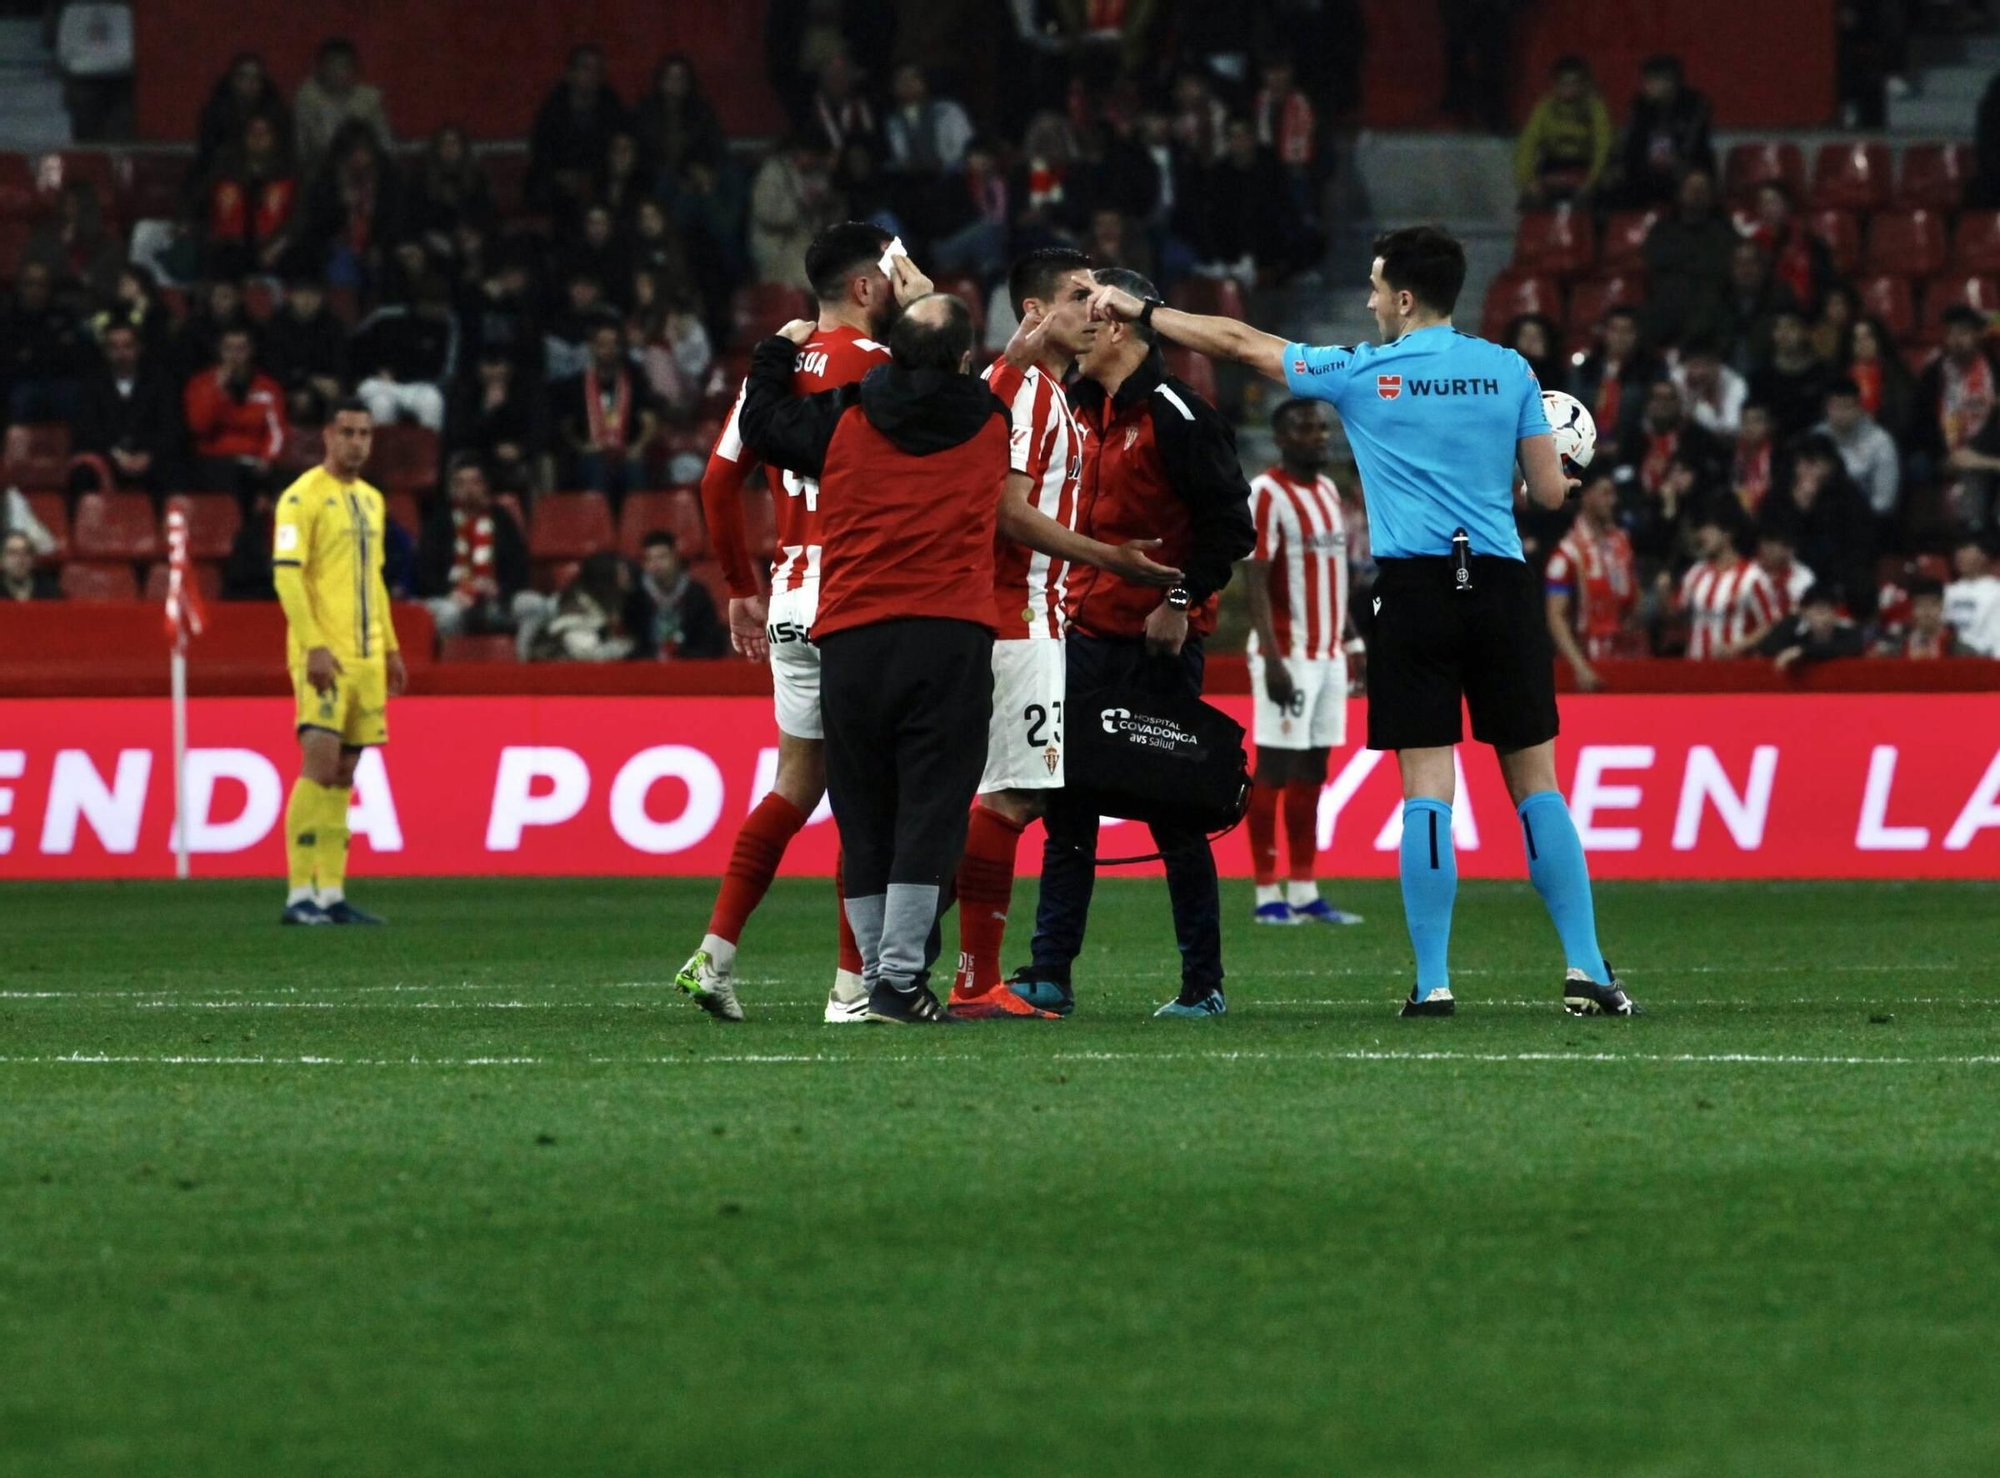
184	618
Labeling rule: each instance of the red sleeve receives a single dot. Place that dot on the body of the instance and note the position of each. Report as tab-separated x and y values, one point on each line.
200	403
722	482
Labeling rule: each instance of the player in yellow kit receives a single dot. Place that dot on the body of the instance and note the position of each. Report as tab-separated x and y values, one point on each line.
326	560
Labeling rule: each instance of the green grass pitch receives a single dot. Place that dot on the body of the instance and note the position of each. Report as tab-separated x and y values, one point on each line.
480	1194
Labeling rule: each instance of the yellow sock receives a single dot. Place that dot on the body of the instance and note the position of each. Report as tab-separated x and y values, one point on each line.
301	837
330	855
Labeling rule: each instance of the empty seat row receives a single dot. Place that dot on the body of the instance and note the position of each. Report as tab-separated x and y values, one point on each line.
1854	175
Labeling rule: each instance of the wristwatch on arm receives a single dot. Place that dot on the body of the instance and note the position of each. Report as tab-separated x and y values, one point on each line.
1178	599
1147	305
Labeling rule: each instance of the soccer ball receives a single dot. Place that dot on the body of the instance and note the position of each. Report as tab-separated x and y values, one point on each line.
1576	432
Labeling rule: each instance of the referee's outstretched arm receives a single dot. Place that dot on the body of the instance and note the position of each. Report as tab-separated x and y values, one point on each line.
1219	338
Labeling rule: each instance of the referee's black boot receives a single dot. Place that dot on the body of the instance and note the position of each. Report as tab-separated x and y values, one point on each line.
1583	996
1437	1003
917	1007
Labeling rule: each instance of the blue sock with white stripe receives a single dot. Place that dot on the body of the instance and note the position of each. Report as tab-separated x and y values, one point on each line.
1430	886
1562	877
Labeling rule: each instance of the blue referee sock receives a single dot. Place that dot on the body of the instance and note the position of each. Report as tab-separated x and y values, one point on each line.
1430	885
1562	877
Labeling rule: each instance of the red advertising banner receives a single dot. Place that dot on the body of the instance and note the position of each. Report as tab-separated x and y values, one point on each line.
1714	786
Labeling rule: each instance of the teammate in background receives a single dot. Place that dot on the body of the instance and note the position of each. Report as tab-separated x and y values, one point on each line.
326	561
1296	581
1439	421
1591	592
857	304
1035	542
1729	602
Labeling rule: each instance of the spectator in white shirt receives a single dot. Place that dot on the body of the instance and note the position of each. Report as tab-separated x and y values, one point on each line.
1713	392
1868	452
926	135
1972	601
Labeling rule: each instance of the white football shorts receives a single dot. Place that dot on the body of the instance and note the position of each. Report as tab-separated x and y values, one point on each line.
795	661
1317	716
1024	738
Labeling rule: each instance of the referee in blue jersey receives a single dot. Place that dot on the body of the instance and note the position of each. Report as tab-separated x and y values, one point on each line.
1438	421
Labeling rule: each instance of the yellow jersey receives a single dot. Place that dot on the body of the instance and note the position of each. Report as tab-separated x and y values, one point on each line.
331	532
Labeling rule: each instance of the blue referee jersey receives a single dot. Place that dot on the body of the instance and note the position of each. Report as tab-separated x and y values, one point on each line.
1433	419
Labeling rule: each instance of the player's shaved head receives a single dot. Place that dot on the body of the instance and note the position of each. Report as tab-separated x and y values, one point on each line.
933	333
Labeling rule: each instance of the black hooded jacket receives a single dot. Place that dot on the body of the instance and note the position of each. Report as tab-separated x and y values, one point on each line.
910	468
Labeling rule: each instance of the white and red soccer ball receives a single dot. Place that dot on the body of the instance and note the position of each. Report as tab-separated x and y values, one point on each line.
1575	431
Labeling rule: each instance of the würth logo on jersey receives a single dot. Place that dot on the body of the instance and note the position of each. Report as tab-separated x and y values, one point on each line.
1388	386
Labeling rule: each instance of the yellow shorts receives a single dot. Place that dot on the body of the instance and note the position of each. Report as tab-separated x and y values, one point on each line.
355	707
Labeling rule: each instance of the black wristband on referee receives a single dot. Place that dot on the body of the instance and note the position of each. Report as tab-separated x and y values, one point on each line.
1145	318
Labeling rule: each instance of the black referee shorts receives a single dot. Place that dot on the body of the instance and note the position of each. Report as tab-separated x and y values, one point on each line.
1434	645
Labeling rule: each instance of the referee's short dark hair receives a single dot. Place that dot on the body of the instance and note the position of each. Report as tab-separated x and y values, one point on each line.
933	333
1137	284
838	252
349	403
1426	262
1034	276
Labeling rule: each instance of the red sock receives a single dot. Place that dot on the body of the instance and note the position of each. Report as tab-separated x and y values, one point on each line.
753	862
850	952
985	889
1301	828
1264	832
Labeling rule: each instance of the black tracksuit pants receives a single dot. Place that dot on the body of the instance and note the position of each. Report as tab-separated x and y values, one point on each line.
905	706
1069	850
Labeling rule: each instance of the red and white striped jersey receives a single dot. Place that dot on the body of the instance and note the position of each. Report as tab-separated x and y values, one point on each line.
829	359
1595	571
1726	606
1302	532
1028	585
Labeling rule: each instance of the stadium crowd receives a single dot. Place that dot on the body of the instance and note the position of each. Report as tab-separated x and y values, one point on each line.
549	338
1791	461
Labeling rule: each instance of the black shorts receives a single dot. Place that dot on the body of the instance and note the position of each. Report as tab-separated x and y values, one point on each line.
1434	645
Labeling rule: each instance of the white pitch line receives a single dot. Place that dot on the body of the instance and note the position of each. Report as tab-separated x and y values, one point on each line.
948	1057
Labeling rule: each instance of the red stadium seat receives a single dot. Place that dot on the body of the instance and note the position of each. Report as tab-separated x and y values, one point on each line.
566	526
1979	293
1624	243
14	237
115	526
1905	244
710	575
760	520
51	510
149	184
305	446
19	200
1851	176
1215	295
402	510
1560	243
1933	176
1589	301
478	649
1975	245
213	519
966	290
1840	230
762	308
207	580
551	575
676	510
404	458
1751	165
81	581
1193	367
38	455
1512	295
1889	299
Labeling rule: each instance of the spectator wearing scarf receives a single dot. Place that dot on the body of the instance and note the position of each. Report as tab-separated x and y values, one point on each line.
605	416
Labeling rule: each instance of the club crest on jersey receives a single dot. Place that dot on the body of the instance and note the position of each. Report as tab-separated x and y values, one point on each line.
1052	757
1388	386
1131	435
